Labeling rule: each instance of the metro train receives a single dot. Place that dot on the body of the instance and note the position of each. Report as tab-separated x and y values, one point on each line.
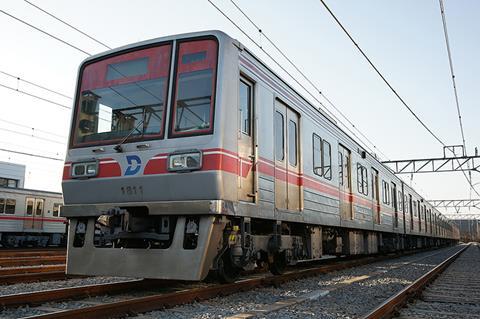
188	155
31	218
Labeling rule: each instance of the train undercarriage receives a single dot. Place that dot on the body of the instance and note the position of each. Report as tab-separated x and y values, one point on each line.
130	242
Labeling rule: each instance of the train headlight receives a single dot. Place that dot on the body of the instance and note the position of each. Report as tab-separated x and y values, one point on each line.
85	169
185	161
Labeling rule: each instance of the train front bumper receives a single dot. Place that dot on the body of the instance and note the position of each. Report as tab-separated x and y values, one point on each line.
174	262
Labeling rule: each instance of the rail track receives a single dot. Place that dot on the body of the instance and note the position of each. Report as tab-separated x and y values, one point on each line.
30	265
168	294
36	252
454	291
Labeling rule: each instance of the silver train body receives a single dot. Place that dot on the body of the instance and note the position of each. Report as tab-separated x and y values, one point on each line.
31	218
209	161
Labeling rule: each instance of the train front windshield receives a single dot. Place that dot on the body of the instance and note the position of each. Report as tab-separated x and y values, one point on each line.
125	95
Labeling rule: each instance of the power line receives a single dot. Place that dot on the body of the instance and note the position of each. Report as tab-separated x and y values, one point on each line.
44	32
31	135
283	69
66	23
34	96
450	61
32	155
303	75
33	128
391	88
29	148
381	75
35	84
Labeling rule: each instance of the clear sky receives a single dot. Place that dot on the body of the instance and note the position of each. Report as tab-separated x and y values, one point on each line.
403	38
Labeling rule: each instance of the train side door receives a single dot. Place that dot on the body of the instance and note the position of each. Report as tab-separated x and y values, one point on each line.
246	140
376	196
345	182
395	205
29	205
39	210
287	160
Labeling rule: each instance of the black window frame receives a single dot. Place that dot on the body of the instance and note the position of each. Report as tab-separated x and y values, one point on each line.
251	92
317	155
362	179
7	210
174	91
277	136
292	161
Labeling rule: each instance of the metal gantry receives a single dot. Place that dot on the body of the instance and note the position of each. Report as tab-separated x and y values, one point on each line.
455	203
462	216
435	165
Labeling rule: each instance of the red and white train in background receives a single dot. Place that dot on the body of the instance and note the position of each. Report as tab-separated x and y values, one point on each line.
187	154
30	217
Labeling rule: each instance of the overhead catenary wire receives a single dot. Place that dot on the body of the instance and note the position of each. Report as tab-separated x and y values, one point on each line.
35	84
452	73
66	23
381	75
34	96
454	84
31	135
320	92
44	32
32	155
283	69
392	89
33	128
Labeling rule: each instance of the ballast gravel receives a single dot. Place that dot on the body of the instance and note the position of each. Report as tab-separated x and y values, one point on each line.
349	296
57	284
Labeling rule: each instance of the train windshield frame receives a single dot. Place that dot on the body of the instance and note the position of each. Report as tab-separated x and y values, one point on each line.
127	94
122	94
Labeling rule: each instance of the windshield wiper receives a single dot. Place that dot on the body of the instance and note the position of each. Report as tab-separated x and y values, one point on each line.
119	147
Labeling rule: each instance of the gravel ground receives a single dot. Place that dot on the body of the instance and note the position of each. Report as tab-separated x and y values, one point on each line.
46	285
344	300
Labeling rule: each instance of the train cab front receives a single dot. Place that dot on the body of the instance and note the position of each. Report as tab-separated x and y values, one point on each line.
143	173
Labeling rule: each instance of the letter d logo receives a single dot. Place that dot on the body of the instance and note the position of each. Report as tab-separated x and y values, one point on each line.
134	165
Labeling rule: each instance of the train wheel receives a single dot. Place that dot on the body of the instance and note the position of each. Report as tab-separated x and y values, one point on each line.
227	272
277	267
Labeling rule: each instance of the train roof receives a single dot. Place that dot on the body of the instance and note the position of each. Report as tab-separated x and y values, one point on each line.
29	191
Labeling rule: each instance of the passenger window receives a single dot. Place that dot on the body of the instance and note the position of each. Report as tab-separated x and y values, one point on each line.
2	205
327	160
292	143
195	86
362	179
340	168
245	106
279	137
317	155
400	201
30	205
56	209
10	206
386	193
39	207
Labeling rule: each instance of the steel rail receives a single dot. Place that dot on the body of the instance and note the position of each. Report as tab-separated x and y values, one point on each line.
171	299
31	252
33	277
391	306
31	269
32	261
38	297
